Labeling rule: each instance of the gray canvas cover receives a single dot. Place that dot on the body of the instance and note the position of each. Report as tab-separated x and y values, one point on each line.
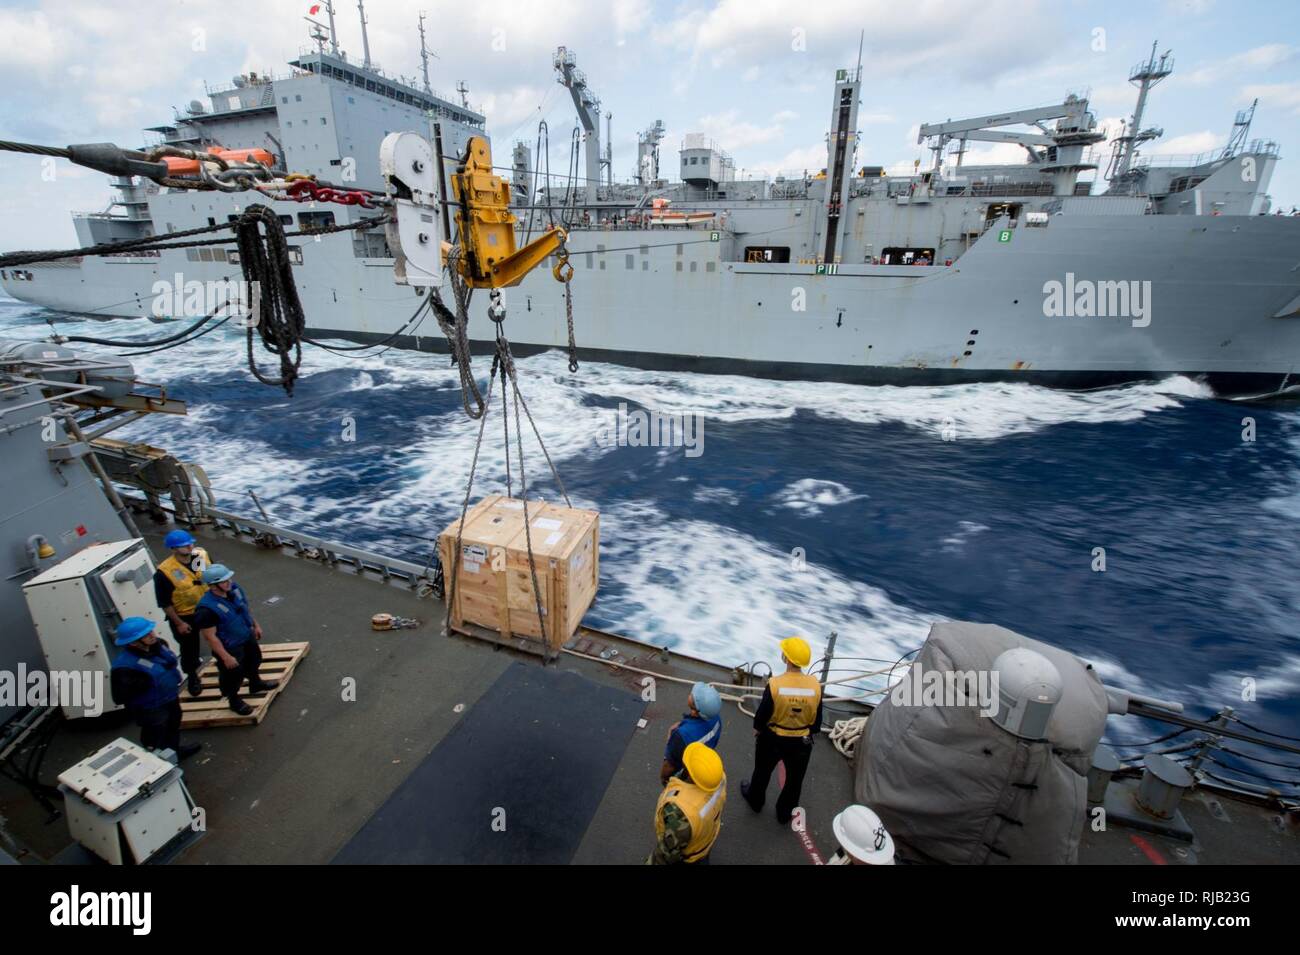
952	786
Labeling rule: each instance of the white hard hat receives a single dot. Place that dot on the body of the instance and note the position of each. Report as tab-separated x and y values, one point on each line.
862	835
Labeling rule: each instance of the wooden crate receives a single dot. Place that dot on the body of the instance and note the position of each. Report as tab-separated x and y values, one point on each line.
209	708
495	585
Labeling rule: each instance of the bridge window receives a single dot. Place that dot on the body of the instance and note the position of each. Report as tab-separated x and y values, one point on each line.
315	220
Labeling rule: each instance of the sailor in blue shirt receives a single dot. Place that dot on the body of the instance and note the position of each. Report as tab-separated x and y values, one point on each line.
224	620
146	679
701	725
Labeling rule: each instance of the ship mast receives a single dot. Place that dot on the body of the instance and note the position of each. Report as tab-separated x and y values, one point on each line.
365	38
334	37
318	33
424	58
1145	75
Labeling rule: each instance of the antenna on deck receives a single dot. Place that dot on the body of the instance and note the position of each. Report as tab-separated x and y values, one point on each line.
319	34
365	38
862	35
424	57
463	90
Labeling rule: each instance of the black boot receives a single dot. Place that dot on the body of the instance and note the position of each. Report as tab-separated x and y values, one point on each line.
187	750
261	686
194	685
239	706
744	793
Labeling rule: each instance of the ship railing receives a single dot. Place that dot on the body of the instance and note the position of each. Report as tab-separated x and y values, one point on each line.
1265	779
196	502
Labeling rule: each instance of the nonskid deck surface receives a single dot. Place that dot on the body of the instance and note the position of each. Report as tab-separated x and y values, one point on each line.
298	787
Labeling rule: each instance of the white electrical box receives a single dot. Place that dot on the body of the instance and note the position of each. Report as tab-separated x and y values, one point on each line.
125	804
77	606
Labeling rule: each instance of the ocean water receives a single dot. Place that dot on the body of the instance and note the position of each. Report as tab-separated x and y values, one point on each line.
813	507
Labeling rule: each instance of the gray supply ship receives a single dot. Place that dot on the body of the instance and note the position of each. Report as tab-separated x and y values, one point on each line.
955	273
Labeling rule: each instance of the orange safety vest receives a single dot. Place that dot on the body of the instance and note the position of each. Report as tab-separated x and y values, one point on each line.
703	811
188	584
795	697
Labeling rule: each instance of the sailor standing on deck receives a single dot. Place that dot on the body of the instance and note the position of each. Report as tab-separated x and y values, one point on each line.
226	623
178	588
146	679
689	815
701	725
787	719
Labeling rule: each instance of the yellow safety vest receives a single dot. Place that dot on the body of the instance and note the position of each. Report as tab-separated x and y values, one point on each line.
190	588
703	811
794	703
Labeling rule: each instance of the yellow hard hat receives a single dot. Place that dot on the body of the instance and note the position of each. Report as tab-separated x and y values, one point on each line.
797	651
704	765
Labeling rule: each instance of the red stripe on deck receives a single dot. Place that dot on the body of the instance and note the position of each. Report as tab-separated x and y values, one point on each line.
809	847
1148	850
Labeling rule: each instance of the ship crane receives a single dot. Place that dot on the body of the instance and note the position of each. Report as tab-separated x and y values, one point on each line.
1061	148
588	106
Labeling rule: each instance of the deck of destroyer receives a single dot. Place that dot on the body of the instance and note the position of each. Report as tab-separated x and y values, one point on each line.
300	785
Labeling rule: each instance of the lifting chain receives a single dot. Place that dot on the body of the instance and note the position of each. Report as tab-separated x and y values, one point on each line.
563	272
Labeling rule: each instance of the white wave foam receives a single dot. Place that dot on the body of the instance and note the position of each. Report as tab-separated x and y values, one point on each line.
965	531
810	495
711	592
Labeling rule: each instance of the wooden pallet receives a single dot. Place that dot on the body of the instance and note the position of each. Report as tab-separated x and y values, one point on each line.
209	708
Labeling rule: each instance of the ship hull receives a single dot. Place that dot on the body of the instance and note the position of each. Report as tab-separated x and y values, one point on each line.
1225	384
1212	297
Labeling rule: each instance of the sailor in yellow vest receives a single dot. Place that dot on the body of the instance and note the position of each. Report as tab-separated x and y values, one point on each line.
178	587
689	815
787	719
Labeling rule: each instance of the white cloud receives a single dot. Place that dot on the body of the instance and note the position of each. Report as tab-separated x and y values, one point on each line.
508	108
1281	96
1187	144
732	133
795	162
1253	60
899	36
986	154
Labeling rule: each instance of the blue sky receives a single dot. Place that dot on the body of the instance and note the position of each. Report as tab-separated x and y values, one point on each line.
755	75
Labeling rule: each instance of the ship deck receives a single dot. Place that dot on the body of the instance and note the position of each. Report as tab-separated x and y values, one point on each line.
318	770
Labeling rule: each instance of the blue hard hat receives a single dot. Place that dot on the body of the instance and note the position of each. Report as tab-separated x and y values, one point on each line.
217	573
132	629
707	700
178	539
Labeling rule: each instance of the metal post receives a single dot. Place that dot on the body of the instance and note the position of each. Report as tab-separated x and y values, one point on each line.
826	661
442	192
1208	743
109	490
266	539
